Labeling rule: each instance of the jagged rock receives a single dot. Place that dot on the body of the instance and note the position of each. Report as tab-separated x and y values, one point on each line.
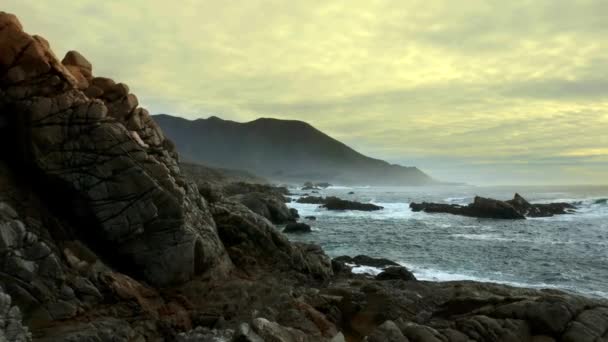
311	218
395	273
481	207
517	208
296	227
539	210
133	199
251	240
268	206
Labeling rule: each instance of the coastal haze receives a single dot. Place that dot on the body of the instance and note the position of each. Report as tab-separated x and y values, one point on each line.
483	92
327	171
282	151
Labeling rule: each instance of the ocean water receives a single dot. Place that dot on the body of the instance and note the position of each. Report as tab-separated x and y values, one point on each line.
567	252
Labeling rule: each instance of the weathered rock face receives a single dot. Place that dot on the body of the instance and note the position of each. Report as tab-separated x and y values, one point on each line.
85	137
253	242
517	208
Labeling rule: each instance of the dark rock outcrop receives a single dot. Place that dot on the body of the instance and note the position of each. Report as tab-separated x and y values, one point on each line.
311	200
540	210
297	227
395	273
268	206
517	208
335	203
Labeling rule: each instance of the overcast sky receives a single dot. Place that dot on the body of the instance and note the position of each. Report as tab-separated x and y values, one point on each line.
474	91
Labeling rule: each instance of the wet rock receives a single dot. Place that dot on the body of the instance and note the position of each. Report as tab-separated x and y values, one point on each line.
311	200
296	227
311	218
334	203
364	260
540	210
517	208
396	273
481	207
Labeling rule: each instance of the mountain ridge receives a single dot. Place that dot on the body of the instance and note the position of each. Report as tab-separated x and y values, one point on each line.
285	150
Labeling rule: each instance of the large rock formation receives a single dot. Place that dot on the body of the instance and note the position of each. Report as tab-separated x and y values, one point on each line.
112	167
517	208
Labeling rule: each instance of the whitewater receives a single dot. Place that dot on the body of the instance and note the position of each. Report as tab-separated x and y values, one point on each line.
567	252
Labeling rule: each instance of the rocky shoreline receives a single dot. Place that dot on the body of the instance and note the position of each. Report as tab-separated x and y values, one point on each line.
104	238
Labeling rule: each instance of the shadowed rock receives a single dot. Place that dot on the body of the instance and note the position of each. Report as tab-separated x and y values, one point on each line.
110	160
296	227
396	273
334	203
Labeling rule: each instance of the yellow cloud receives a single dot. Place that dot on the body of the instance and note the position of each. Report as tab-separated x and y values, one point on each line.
520	80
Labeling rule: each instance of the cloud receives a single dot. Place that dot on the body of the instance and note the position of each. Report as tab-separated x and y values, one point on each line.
503	84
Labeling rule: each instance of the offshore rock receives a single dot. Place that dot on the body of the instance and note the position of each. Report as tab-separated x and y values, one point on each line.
517	208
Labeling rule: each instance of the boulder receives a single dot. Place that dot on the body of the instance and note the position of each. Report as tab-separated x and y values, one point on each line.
76	59
395	273
296	227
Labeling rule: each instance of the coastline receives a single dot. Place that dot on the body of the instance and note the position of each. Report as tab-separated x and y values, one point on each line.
105	238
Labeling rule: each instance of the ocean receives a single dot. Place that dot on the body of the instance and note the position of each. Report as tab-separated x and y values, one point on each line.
567	252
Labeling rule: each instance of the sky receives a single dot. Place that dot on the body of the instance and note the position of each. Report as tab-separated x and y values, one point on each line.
483	92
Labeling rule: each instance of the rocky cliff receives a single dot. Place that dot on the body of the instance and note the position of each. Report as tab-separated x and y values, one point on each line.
103	238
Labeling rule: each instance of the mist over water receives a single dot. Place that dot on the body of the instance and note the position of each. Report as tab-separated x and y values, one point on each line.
567	252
